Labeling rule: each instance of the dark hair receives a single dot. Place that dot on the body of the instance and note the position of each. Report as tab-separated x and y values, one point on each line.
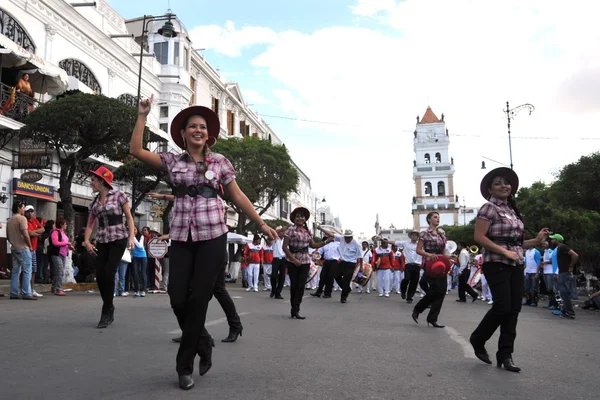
431	214
138	235
49	225
512	203
463	245
60	222
101	180
17	206
206	148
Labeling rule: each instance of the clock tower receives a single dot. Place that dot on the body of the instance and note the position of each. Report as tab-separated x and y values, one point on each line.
433	172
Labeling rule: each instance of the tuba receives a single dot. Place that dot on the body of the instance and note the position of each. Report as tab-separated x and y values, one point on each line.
473	249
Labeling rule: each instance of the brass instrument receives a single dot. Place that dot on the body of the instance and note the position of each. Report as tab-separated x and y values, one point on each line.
473	249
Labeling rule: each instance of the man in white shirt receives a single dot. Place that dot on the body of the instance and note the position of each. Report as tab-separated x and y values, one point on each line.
330	253
278	266
350	256
464	273
533	260
409	284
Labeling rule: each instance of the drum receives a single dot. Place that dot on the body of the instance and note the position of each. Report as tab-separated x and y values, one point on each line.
364	276
312	272
475	278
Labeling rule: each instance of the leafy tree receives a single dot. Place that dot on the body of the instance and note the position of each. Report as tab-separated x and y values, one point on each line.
77	127
460	234
578	184
264	173
142	178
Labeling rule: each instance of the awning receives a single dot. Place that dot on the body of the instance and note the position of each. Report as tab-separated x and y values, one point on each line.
14	56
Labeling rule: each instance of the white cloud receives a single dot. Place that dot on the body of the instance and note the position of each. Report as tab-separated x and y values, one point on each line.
463	58
228	40
254	97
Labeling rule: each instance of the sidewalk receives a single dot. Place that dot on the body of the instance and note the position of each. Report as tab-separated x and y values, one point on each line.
45	288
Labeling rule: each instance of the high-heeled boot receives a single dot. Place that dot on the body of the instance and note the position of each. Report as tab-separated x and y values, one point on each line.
233	334
206	357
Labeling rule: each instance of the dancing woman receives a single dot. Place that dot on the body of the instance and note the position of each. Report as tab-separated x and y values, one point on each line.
499	229
296	241
112	237
432	246
198	230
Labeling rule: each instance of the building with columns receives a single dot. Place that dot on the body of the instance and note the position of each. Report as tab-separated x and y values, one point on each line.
433	172
94	50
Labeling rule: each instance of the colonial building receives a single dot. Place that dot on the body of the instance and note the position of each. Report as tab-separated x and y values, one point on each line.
433	172
91	48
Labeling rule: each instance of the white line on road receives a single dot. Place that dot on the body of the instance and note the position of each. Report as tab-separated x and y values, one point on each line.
209	323
236	297
458	338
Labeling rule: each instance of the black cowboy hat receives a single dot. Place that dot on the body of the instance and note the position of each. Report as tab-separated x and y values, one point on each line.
508	173
212	124
297	210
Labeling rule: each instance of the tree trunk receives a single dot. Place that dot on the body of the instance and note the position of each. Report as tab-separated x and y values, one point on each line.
67	171
241	225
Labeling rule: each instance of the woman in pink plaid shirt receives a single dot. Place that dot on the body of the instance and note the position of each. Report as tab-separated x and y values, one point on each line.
198	230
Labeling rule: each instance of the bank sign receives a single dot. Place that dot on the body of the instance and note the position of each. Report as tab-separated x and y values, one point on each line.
37	190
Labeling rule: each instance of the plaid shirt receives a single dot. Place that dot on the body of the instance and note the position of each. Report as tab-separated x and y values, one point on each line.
299	237
115	200
203	218
433	243
503	222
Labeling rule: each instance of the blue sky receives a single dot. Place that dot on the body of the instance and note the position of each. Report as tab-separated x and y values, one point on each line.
372	66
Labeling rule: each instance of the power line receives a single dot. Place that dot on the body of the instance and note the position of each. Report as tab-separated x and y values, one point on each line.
410	131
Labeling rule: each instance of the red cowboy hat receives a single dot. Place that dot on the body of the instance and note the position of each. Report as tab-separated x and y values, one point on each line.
438	268
105	174
212	124
507	173
297	210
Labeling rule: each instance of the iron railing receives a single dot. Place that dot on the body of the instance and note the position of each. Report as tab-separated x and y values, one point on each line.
23	104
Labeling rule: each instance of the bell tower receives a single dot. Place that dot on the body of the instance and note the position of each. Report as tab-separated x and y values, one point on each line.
433	172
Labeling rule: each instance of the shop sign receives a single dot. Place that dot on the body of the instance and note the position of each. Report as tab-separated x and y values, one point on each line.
31	189
31	176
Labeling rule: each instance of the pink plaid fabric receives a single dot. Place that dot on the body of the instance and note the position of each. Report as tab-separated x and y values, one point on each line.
203	218
299	237
433	243
503	222
115	200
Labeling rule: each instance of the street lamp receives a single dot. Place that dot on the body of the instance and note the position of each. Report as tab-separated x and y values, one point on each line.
167	30
315	216
497	162
510	114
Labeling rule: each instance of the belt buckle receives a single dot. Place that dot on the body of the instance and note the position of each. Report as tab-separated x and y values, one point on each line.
192	190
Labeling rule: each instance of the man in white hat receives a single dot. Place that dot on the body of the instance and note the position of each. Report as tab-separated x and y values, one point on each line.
350	256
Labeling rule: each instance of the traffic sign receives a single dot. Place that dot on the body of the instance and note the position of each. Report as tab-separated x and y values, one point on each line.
157	248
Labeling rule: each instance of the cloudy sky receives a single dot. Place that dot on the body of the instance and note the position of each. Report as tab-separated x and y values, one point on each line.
364	69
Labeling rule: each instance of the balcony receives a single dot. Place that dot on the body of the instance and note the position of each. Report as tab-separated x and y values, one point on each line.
17	110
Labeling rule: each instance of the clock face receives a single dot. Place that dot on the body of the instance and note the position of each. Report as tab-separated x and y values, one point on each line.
431	135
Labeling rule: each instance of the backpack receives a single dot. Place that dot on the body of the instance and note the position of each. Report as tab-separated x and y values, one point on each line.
52	249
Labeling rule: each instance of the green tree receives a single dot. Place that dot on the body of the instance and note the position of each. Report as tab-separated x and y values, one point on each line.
578	184
77	127
142	178
460	234
264	172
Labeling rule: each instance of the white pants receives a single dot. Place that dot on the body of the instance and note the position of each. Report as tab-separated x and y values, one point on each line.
485	288
449	280
267	269
383	281
287	280
314	282
397	277
373	281
419	286
253	271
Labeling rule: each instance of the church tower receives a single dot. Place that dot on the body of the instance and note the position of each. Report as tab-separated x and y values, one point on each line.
433	171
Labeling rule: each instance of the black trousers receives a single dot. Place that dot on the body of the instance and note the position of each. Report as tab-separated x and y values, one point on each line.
343	276
107	261
507	286
424	283
327	276
408	286
222	295
277	275
434	297
298	277
463	285
195	269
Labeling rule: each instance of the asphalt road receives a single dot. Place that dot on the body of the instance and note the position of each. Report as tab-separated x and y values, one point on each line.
368	348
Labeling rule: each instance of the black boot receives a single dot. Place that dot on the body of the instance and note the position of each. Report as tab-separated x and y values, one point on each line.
111	315
508	365
233	335
206	357
104	321
186	382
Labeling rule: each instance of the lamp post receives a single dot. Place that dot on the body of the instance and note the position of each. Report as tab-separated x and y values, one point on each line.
497	162
315	216
167	30
510	114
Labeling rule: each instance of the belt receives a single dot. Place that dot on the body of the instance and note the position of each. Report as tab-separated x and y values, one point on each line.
111	220
195	190
298	249
507	240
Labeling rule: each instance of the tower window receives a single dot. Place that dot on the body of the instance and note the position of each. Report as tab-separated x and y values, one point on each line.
441	188
427	158
438	158
428	188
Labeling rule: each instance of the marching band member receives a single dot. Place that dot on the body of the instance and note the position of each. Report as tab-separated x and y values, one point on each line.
278	273
382	260
313	283
499	229
397	268
330	254
463	275
267	260
252	254
350	257
367	256
409	284
296	242
432	246
198	228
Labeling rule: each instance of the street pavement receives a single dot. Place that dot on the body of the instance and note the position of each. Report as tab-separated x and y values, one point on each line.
368	348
